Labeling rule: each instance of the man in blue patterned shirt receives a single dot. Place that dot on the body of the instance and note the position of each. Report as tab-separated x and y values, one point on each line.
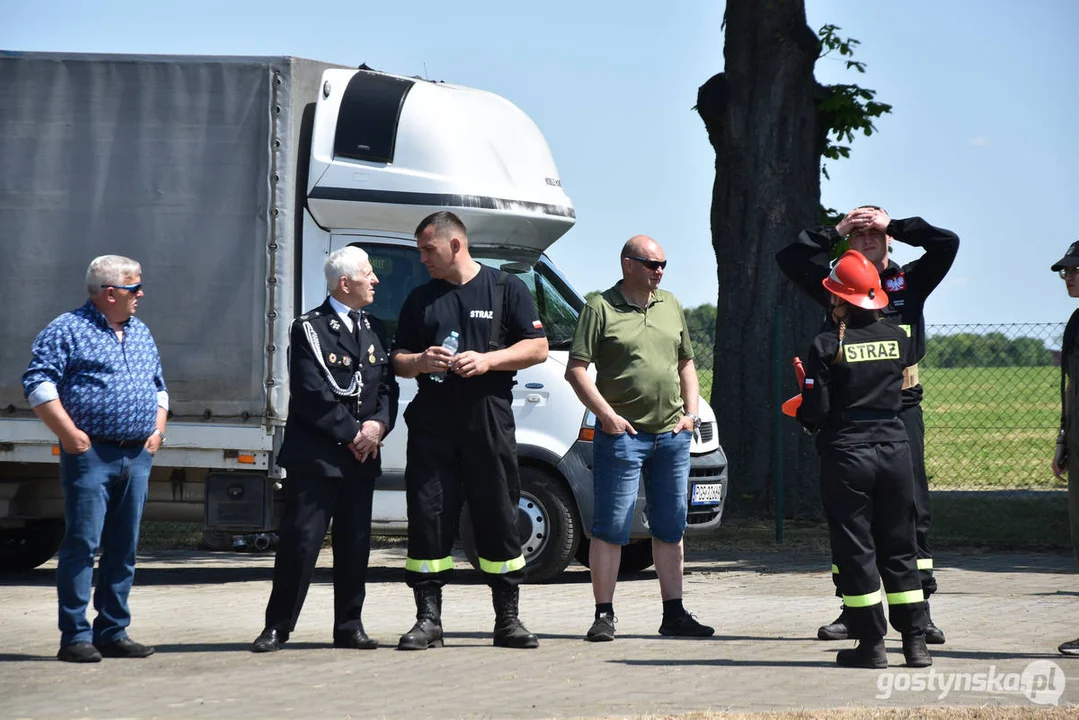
95	380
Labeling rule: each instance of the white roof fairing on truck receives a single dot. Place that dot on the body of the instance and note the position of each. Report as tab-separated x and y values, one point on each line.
455	148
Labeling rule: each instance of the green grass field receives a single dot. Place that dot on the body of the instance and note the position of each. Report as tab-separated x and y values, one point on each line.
991	428
989	441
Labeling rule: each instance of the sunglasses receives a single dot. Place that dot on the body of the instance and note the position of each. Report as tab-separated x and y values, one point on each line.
652	265
133	289
1068	272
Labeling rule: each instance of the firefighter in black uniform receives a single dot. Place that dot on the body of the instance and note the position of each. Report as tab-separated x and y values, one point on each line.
461	444
852	397
870	231
342	403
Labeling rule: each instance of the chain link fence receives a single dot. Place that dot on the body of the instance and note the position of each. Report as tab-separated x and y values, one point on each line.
991	410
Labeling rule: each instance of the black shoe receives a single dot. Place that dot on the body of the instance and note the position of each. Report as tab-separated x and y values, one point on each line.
685	625
79	652
868	654
426	633
511	633
915	651
354	640
835	630
270	640
1069	648
125	648
602	629
933	634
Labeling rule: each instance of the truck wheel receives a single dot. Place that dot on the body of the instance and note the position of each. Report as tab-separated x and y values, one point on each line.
547	522
24	548
636	556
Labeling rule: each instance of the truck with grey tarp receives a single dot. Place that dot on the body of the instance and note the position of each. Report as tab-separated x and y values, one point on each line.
231	179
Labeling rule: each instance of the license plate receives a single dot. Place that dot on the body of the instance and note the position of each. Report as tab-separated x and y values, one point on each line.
707	494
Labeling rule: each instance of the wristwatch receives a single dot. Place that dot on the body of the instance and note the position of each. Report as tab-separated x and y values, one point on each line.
160	433
696	420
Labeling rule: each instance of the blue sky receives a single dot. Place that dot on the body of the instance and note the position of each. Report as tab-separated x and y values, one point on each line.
982	139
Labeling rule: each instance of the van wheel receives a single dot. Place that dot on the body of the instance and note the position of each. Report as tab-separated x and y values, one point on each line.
636	556
24	548
547	522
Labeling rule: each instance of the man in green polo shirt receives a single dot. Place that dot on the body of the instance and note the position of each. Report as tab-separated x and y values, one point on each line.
645	400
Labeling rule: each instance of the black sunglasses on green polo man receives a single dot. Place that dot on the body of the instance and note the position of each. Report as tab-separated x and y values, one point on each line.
652	265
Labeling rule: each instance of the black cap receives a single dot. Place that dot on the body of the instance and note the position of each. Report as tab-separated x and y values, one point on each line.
1070	259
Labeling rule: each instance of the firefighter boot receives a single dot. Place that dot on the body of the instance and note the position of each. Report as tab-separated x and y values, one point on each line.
868	654
915	651
509	632
836	630
427	632
933	634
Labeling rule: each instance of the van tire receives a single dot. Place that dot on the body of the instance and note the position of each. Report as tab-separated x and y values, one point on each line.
548	522
25	548
636	556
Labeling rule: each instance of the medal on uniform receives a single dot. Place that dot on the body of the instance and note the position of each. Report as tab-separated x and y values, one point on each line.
346	360
332	357
371	354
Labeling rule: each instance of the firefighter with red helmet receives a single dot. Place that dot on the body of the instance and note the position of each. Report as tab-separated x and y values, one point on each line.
851	398
871	231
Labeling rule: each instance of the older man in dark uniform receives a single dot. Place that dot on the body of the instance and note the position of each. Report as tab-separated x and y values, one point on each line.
343	402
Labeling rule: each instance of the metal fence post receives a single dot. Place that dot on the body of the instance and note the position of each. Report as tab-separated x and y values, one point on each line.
777	384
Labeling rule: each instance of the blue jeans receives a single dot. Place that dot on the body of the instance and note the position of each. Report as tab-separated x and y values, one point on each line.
618	461
104	493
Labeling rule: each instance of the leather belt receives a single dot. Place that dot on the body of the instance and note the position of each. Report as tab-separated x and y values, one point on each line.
117	443
856	414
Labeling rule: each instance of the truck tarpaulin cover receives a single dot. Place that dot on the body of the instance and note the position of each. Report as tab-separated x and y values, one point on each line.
168	161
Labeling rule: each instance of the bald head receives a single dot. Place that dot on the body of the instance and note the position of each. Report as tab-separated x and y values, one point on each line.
642	246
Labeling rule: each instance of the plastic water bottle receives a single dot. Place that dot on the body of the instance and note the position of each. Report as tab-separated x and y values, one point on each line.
450	343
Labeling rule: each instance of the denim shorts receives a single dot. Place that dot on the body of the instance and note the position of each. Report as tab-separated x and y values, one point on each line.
618	462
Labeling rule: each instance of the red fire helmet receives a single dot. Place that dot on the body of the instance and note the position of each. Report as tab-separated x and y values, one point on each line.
855	280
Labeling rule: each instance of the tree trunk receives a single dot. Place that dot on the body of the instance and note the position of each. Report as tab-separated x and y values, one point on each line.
762	122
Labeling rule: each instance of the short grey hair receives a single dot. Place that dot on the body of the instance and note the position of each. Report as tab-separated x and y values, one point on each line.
346	262
110	270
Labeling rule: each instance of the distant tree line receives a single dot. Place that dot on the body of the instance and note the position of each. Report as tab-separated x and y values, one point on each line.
989	350
992	349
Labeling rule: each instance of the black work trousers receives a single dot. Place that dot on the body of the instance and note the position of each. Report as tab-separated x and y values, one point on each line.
471	456
868	495
911	417
310	502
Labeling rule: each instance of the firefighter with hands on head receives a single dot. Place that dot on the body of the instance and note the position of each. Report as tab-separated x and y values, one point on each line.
461	444
851	397
1067	446
871	232
342	403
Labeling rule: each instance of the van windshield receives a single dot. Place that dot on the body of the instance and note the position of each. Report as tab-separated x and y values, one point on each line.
399	270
